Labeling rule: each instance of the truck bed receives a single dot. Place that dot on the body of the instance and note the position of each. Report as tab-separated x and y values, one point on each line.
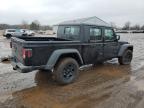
42	48
41	39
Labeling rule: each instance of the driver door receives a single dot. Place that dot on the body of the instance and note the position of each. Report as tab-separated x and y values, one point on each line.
110	43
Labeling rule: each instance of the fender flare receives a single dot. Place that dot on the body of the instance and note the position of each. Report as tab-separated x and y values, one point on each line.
57	53
123	48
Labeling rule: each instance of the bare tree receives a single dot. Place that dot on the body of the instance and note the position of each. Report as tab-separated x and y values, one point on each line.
136	27
142	28
126	26
35	25
4	26
113	25
25	24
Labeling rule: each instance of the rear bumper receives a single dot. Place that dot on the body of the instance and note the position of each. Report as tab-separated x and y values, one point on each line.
24	69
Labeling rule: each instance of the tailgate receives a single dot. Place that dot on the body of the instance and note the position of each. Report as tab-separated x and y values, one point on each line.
16	50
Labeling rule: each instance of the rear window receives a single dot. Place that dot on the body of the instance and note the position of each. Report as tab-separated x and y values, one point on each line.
72	32
95	34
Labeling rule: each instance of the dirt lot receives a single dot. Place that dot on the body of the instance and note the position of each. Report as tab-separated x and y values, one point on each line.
105	86
1	32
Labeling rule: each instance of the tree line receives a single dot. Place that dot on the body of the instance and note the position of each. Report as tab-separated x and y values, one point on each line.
128	26
34	25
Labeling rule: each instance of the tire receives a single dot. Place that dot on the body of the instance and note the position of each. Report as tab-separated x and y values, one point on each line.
32	34
14	68
24	35
126	58
8	36
66	71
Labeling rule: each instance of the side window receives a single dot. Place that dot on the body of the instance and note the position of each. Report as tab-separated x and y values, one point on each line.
72	32
75	31
95	34
11	30
67	30
109	34
17	30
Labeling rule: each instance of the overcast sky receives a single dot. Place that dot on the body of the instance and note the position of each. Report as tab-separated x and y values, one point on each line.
55	11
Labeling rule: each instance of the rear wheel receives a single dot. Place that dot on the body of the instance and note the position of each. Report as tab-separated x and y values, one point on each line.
8	36
126	58
66	71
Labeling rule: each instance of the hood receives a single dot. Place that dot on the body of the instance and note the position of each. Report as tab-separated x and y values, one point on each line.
123	42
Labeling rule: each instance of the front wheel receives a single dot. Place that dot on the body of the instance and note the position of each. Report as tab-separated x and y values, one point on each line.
126	58
66	71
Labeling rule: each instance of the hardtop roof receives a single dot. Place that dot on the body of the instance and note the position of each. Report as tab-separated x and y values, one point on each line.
87	21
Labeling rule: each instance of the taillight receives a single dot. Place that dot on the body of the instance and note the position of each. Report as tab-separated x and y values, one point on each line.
26	53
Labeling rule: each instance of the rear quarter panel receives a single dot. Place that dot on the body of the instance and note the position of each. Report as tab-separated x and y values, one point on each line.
41	52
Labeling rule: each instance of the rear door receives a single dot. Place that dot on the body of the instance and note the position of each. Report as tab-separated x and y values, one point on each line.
110	43
93	50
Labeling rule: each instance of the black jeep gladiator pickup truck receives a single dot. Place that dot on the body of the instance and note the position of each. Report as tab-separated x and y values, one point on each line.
78	43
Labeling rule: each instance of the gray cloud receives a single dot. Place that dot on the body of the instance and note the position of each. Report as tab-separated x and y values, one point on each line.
54	11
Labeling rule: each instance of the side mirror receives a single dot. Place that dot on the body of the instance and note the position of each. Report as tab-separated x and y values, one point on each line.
118	37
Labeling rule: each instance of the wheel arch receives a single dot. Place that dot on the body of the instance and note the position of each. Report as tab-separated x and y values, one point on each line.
57	55
8	34
123	48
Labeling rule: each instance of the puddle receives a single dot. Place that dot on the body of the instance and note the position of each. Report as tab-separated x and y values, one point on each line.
139	85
